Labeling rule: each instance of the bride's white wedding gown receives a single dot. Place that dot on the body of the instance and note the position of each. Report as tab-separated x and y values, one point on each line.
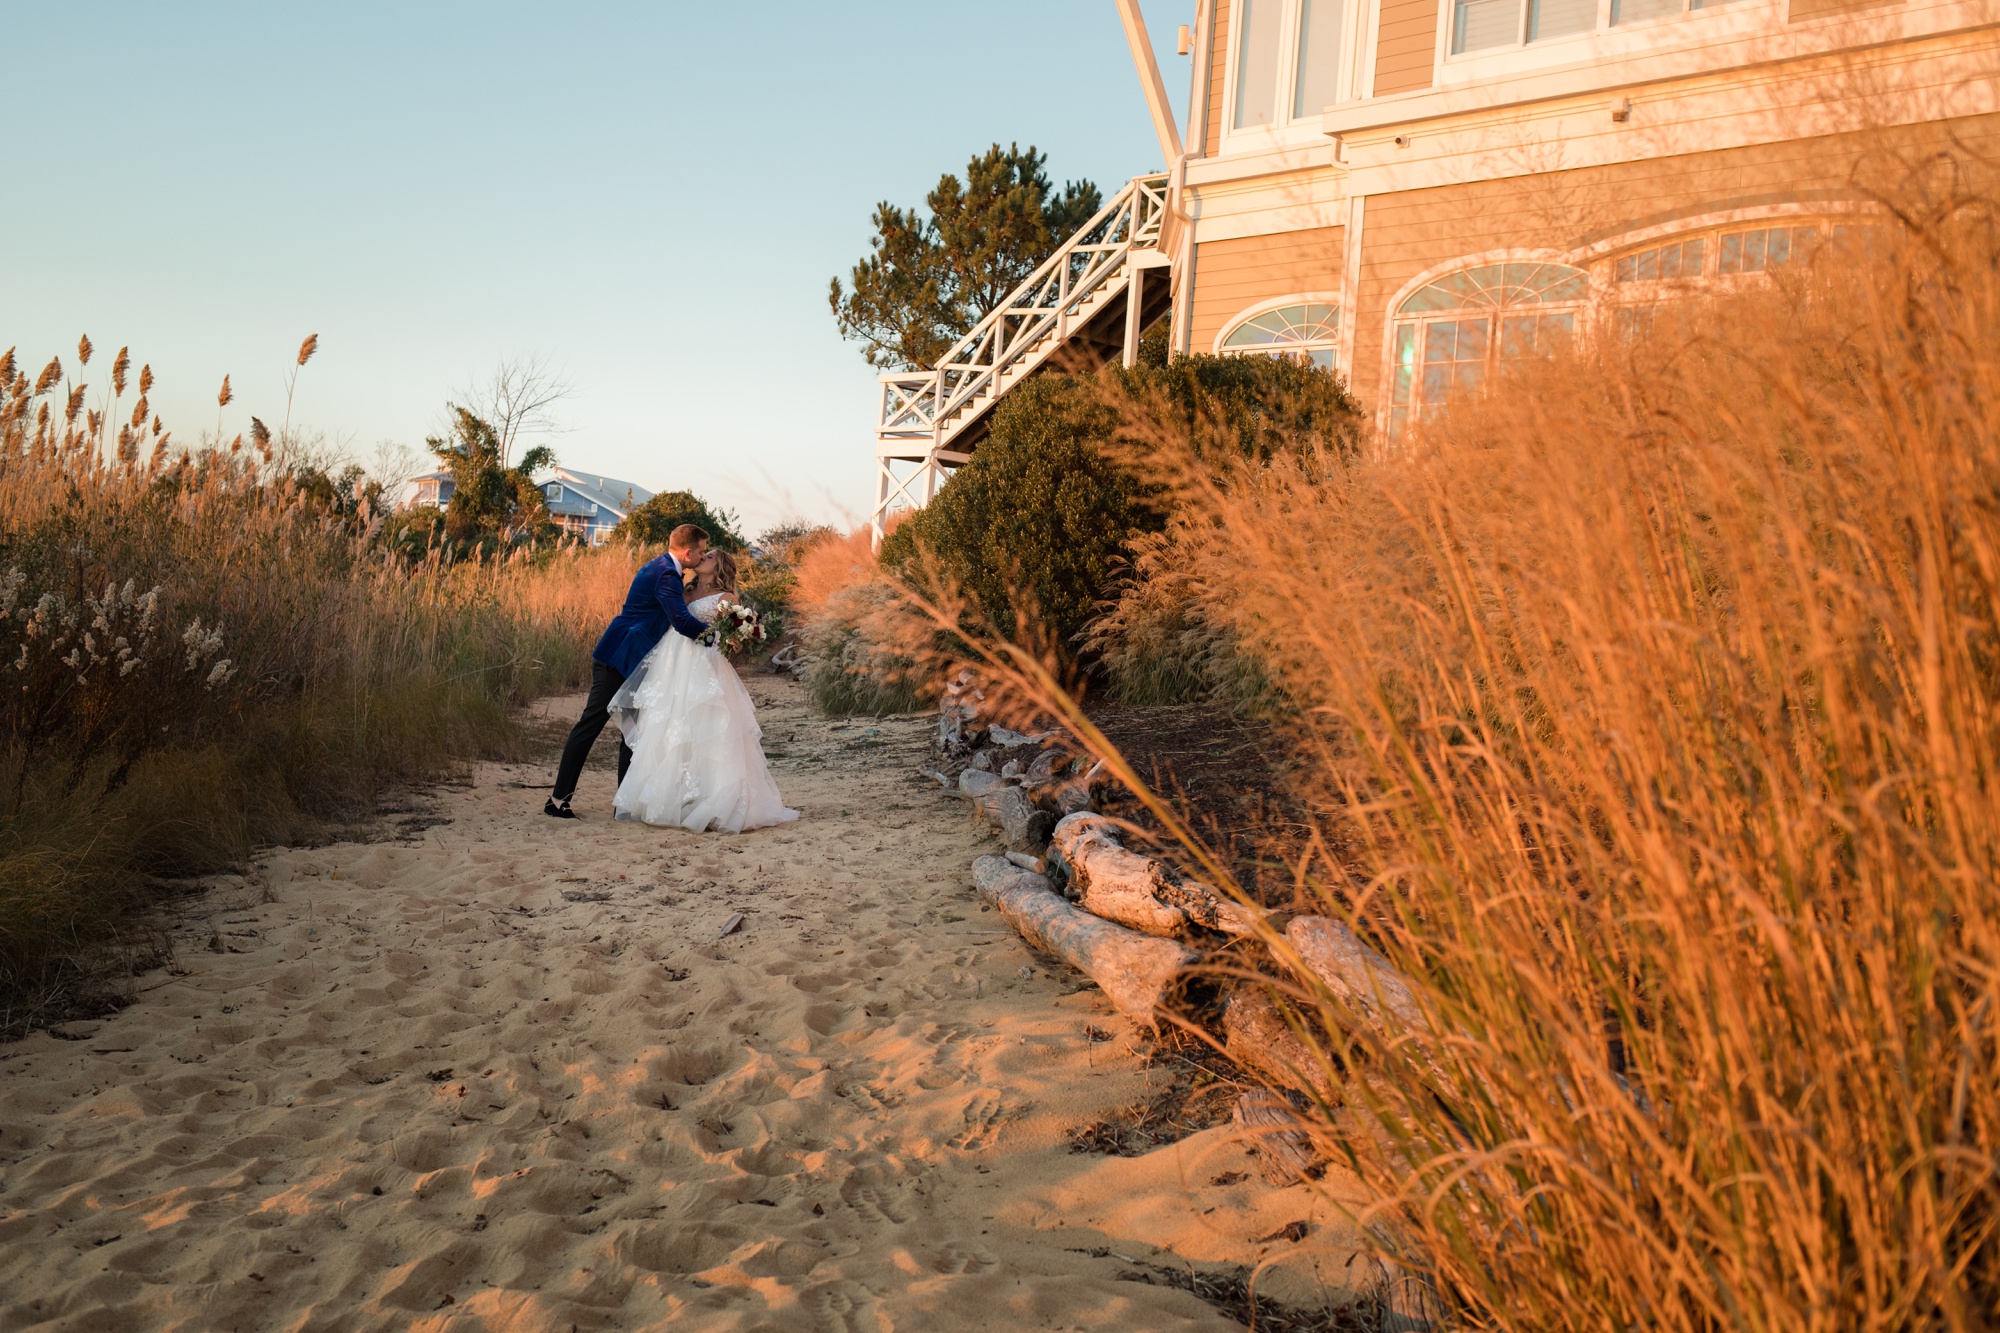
697	751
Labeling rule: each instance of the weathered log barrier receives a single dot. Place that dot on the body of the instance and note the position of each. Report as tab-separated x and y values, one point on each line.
1137	973
1138	891
1257	1036
1275	1132
1364	979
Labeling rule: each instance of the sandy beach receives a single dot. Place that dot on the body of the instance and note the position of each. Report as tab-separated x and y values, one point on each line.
488	1070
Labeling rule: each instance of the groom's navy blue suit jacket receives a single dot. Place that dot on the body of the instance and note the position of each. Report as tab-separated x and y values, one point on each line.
656	604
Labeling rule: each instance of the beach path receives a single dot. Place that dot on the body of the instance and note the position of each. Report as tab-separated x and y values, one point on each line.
497	1071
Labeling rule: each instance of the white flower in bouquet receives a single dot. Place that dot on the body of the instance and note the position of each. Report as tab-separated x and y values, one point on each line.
736	628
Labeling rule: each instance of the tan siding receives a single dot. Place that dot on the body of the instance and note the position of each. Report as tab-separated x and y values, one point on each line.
1218	71
1406	46
1416	230
1816	9
1231	276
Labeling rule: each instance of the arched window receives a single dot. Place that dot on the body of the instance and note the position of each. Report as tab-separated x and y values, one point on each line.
1443	344
1310	329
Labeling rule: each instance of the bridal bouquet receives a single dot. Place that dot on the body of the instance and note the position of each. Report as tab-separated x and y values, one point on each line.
736	628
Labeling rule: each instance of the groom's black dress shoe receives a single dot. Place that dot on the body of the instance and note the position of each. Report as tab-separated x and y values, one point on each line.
558	811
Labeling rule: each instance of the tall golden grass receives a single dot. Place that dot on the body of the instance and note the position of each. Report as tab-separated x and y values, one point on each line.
839	591
197	656
1650	708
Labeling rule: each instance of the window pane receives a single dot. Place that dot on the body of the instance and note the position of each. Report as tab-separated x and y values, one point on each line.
1732	253
1634	323
1257	63
1638	11
1454	360
1501	285
1753	250
1557	18
1315	321
1406	364
1480	24
1319	56
1692	253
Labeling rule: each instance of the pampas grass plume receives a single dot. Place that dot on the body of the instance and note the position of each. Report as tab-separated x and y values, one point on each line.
119	366
308	347
50	374
227	396
83	349
146	378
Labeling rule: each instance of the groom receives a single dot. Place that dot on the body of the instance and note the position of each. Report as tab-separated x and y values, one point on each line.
656	604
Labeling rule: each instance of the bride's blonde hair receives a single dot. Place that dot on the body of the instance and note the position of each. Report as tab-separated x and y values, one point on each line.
725	570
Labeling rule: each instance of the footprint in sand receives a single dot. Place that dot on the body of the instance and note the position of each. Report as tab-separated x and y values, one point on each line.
429	1075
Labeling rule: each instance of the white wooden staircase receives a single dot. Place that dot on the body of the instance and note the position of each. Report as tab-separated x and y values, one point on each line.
1087	302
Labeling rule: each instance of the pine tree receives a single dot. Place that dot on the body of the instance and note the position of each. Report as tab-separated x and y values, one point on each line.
927	280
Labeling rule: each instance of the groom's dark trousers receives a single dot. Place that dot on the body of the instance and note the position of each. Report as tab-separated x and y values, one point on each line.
604	682
655	607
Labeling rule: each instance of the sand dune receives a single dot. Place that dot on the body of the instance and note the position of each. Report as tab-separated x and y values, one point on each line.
498	1072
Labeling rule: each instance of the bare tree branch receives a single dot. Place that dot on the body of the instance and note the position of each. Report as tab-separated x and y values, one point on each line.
516	400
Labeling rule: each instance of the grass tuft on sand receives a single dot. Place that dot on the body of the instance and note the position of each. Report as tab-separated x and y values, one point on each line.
198	655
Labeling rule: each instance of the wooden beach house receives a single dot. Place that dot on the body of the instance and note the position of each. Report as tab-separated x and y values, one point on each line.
1414	191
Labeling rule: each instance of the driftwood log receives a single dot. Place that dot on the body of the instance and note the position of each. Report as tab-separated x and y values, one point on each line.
1364	979
1273	1131
1021	822
1258	1037
1137	973
1142	892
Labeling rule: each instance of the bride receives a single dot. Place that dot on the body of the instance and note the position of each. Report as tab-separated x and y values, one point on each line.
697	751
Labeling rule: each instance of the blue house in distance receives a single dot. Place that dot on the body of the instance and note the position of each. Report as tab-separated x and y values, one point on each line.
583	504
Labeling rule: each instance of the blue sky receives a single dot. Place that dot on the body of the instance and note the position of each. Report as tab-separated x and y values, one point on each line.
653	196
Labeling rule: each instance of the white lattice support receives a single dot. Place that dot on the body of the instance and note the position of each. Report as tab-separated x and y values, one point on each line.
913	490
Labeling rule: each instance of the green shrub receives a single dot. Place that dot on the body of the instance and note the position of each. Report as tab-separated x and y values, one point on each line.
1030	528
1155	642
1036	527
651	522
1254	406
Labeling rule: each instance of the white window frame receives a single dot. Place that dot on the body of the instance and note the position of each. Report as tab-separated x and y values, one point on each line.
1248	313
1286	130
1585	314
1598	260
1604	42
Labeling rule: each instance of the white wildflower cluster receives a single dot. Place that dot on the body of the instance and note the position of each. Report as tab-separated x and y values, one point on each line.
118	631
202	645
49	626
120	616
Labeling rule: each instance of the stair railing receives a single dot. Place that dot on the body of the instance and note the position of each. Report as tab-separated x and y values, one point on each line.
919	409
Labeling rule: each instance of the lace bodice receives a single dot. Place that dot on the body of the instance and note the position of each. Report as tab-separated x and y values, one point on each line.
706	609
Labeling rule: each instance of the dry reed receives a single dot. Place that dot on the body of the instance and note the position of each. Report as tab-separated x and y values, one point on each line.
199	656
1649	706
